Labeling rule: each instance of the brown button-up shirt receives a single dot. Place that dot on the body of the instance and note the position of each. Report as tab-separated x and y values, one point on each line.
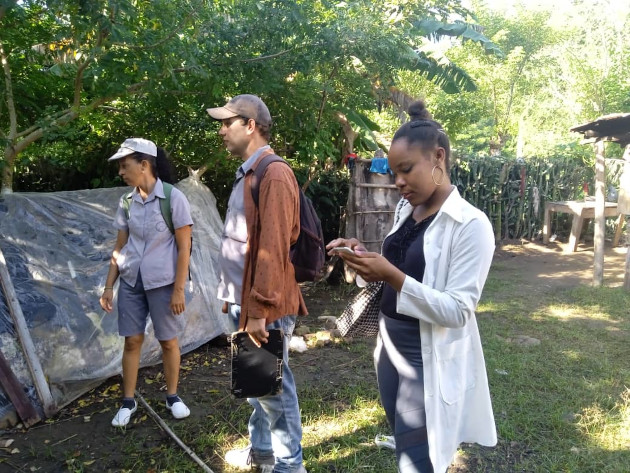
270	290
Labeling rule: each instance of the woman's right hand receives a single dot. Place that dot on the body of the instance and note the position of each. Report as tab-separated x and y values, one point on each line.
348	242
106	300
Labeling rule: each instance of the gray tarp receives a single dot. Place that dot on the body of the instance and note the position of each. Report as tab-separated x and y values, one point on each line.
57	248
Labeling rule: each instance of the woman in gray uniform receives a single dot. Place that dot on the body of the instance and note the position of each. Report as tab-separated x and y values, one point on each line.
151	256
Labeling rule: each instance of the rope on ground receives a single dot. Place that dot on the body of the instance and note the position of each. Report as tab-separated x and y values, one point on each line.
168	430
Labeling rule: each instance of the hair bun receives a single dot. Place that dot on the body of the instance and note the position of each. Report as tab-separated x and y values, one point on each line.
418	111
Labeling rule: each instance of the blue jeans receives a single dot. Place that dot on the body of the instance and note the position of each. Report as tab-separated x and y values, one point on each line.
275	426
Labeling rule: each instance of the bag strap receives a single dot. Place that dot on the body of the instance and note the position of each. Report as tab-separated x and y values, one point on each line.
165	206
126	203
399	207
259	172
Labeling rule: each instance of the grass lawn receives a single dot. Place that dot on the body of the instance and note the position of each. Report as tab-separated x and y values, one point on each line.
565	404
562	405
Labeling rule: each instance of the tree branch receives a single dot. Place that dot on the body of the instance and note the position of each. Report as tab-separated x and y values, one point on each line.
269	56
8	85
70	114
325	98
512	86
78	79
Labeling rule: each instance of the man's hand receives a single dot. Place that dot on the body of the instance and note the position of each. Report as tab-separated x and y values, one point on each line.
256	329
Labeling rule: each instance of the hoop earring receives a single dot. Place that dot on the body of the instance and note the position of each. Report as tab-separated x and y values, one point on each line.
433	175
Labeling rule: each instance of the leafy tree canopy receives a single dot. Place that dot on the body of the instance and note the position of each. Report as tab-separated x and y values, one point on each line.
89	73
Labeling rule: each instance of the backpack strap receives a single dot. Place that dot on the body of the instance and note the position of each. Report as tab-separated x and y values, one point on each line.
259	172
126	204
165	206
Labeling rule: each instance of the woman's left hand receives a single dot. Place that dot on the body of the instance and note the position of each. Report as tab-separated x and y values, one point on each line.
178	301
374	267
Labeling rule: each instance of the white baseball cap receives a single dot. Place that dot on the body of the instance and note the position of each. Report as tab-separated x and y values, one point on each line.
135	145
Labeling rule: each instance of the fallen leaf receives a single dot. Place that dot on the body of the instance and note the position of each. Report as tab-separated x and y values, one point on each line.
140	419
6	443
148	381
14	451
89	462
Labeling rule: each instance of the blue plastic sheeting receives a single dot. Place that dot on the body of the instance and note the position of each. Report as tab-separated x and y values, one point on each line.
57	247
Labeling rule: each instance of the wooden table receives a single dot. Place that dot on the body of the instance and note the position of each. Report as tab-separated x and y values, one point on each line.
581	211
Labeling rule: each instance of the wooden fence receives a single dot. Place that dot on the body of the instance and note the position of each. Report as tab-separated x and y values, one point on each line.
512	193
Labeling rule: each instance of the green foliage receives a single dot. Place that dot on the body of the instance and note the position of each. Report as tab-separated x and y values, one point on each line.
151	69
467	32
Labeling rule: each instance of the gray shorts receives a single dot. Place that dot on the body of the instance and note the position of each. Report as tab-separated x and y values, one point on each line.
135	305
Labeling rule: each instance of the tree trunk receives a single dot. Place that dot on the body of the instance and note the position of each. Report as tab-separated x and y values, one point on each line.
349	134
600	220
520	139
7	170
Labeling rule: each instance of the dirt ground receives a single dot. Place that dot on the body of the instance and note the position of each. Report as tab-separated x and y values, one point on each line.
82	429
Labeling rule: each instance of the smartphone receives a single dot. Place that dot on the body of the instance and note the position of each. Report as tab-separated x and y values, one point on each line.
343	249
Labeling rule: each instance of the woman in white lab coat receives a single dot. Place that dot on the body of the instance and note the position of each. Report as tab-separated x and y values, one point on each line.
429	360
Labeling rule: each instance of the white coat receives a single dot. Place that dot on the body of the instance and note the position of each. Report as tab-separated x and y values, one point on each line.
458	249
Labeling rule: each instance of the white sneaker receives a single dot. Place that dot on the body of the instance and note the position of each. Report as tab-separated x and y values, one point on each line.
385	441
122	417
178	409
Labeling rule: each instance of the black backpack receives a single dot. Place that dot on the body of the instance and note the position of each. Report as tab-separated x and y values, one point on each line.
308	253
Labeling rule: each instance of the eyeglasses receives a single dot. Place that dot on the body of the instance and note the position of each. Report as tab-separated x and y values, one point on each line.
228	122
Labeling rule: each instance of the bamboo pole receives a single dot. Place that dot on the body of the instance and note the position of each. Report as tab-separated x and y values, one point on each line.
24	337
172	434
600	208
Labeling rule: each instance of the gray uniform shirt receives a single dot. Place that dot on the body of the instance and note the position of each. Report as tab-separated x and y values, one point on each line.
234	237
151	247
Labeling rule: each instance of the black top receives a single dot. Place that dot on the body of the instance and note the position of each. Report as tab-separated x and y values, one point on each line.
405	250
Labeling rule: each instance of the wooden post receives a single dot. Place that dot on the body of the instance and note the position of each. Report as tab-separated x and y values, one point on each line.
623	205
24	336
600	208
14	390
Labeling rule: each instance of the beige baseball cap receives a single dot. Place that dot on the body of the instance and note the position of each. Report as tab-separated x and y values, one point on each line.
247	106
134	145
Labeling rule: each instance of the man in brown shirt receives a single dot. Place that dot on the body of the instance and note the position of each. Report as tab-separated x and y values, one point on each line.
257	277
